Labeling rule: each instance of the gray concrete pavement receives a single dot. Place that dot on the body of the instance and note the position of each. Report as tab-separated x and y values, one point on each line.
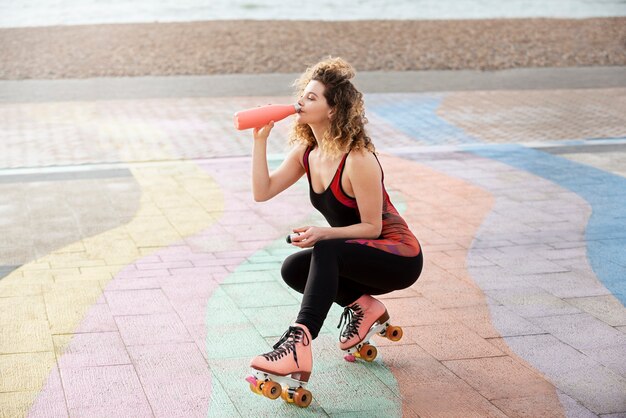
230	85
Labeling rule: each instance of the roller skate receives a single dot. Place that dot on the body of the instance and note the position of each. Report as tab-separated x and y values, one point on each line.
361	320
285	371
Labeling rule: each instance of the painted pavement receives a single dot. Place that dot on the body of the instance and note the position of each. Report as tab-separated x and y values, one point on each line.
138	276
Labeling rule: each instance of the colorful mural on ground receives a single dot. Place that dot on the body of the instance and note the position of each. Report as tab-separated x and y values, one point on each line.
159	313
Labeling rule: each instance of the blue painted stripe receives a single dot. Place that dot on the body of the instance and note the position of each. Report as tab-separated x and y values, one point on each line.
605	234
605	192
416	115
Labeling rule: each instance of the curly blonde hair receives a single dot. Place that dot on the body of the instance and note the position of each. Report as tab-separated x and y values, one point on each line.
347	124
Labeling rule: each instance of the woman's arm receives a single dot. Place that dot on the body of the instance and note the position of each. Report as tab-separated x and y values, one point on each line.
365	177
265	185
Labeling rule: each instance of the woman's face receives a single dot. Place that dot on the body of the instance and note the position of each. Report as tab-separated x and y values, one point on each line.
315	109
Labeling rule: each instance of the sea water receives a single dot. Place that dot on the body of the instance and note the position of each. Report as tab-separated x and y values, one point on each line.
24	13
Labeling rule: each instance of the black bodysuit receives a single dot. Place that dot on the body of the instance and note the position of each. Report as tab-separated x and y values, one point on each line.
342	270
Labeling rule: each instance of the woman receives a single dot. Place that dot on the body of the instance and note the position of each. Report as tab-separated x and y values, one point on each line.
368	248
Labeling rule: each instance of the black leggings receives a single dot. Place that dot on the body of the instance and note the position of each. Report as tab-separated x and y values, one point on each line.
337	271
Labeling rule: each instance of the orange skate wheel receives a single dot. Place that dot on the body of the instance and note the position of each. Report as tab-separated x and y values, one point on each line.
271	389
302	397
368	352
394	333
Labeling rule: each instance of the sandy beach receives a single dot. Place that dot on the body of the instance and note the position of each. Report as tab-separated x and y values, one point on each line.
247	46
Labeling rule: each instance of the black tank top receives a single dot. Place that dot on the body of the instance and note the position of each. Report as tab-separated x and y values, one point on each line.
339	209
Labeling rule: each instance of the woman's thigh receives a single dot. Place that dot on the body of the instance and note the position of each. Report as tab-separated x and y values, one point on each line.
370	267
377	269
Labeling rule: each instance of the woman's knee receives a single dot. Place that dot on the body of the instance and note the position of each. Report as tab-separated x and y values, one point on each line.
292	280
295	270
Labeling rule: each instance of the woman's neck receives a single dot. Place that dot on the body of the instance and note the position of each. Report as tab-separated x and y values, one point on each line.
319	131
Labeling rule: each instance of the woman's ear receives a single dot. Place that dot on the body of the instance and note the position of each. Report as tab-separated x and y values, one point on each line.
331	113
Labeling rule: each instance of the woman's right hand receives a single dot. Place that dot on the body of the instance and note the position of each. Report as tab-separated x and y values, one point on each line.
262	133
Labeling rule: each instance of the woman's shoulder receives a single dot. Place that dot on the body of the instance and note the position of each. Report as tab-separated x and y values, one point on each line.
362	160
299	149
361	155
297	152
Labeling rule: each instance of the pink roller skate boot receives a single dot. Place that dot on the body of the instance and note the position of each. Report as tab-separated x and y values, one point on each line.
361	320
285	371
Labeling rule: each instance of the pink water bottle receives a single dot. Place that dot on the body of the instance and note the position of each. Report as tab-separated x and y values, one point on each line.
261	116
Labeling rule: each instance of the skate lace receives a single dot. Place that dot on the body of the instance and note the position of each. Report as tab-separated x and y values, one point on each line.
287	344
351	319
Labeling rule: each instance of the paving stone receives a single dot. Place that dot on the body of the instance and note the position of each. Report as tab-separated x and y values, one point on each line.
371	414
104	391
581	331
453	292
257	267
494	321
137	302
416	311
9	289
247	295
493	277
606	308
25	337
250	277
520	265
582	383
220	403
98	318
134	274
17	404
19	309
431	389
451	341
47	402
527	406
334	378
236	340
531	302
66	310
573	408
575	373
574	284
131	284
500	377
191	311
271	321
25	371
90	350
175	378
152	329
613	357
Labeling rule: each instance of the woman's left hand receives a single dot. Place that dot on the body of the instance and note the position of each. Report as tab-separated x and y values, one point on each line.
309	235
